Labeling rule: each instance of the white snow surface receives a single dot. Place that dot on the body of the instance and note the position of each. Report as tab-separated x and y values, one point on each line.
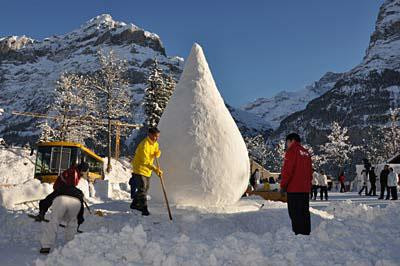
344	232
204	157
16	166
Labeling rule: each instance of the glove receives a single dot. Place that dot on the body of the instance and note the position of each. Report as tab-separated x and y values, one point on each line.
159	172
157	154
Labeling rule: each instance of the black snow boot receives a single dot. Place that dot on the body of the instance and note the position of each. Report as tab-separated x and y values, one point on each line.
145	211
44	250
39	217
135	206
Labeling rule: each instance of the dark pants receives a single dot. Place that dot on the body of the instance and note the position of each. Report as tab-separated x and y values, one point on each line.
383	188
299	213
323	190
132	183
372	191
393	191
364	188
314	192
45	203
342	188
142	184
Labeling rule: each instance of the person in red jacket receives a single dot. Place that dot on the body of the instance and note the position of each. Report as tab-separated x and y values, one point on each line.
296	181
65	184
342	178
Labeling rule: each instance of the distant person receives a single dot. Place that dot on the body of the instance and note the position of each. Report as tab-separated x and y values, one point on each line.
383	178
342	179
372	181
392	184
323	185
296	181
314	185
255	176
363	180
142	167
271	180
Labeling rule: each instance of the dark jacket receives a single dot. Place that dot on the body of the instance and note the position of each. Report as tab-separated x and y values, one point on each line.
384	176
372	176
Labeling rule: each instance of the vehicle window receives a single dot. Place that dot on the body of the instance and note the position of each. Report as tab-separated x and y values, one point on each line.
60	159
43	157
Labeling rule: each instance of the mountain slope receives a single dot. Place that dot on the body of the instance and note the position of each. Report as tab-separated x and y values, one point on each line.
274	110
29	69
363	96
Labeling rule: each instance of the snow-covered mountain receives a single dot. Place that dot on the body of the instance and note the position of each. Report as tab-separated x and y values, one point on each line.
361	97
273	110
29	68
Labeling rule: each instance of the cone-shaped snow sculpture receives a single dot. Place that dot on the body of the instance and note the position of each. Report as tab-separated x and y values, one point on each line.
204	157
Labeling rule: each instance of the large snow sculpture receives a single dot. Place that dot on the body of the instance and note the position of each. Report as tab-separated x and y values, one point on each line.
204	157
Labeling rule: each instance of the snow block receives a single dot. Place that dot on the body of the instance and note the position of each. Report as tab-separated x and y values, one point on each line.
103	189
204	157
32	190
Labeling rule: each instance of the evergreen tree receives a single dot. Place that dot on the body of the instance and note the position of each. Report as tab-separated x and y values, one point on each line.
157	94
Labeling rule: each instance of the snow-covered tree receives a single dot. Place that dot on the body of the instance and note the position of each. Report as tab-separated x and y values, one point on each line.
338	150
317	160
257	149
47	133
110	87
391	138
276	155
157	94
74	109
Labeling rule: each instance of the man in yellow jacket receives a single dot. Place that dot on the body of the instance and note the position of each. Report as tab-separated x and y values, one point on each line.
142	168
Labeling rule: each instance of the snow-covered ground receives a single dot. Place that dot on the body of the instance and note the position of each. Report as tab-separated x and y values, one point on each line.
347	230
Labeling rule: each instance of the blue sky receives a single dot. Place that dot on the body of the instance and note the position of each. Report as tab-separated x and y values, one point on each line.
254	48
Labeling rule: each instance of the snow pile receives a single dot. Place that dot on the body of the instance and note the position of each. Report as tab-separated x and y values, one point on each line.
120	171
16	166
31	190
204	155
358	235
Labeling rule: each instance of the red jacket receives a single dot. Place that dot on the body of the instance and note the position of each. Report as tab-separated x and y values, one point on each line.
341	179
297	169
69	177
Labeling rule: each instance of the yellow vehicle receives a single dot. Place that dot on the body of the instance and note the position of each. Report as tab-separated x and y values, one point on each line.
55	157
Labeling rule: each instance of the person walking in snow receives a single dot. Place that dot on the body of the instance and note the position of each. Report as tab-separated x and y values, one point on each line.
364	180
65	184
323	185
392	184
383	178
254	178
142	168
314	185
296	181
372	181
342	179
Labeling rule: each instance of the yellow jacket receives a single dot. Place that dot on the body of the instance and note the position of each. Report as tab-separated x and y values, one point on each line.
146	151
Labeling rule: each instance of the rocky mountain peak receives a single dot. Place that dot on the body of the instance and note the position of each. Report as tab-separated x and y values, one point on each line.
14	43
383	51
